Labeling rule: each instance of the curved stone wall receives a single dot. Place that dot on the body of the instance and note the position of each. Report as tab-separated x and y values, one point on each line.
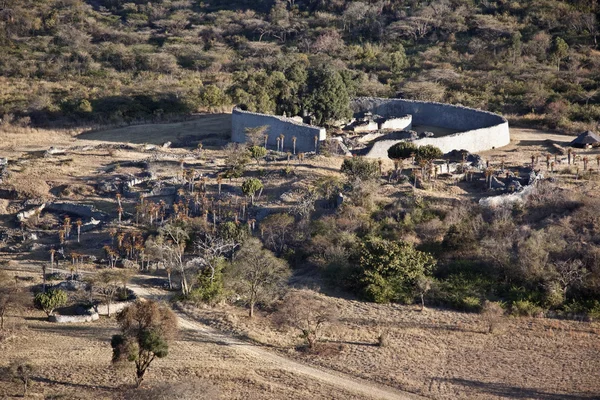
478	130
305	134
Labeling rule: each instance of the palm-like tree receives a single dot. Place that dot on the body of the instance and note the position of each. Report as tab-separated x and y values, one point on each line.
78	223
282	137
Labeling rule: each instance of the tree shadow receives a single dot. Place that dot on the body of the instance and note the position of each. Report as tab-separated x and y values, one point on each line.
369	344
70	384
515	392
90	330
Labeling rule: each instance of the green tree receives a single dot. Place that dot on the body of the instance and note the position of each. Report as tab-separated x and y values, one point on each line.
257	275
146	329
107	283
258	153
212	96
250	187
560	51
50	300
328	99
428	153
402	151
391	269
360	168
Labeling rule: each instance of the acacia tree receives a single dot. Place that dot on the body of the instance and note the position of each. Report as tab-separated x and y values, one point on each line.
146	329
255	135
257	275
106	283
250	187
171	248
258	153
402	151
307	313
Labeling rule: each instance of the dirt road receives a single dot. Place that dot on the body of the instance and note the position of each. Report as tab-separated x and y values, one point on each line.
330	377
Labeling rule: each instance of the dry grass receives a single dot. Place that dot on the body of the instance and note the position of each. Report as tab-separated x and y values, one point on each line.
73	361
443	354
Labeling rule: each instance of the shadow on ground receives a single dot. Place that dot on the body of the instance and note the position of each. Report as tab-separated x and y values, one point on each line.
514	392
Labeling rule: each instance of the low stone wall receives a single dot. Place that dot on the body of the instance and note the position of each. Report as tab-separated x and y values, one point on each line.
74	319
305	134
102	309
398	124
478	130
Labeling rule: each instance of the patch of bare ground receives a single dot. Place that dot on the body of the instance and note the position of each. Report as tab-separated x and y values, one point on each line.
73	362
210	126
441	354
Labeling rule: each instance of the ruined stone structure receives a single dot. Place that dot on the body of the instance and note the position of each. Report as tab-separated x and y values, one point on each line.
289	127
476	130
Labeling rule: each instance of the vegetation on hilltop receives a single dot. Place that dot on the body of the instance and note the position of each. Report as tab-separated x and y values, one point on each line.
112	61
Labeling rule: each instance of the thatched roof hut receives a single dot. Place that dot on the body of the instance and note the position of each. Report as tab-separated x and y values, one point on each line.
586	139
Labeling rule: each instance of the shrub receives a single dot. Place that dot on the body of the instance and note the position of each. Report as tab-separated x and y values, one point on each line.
402	150
470	303
21	371
391	269
492	314
50	300
207	290
360	168
526	308
383	339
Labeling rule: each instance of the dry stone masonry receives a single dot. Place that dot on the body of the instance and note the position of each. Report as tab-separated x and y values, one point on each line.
476	130
289	127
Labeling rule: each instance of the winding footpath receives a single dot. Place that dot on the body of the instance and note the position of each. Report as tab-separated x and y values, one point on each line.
330	377
333	378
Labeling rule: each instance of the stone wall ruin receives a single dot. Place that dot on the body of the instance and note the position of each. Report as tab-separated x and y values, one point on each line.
477	130
289	127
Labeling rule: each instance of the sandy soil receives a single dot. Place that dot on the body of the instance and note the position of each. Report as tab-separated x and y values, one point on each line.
444	354
205	126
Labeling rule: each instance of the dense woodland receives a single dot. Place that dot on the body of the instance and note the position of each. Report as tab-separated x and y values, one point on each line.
111	61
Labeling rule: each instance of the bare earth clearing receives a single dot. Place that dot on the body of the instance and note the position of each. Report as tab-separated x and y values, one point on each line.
436	354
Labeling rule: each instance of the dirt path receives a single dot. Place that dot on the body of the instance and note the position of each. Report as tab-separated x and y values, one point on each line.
330	377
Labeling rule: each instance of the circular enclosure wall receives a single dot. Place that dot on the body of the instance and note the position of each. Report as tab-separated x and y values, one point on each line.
477	130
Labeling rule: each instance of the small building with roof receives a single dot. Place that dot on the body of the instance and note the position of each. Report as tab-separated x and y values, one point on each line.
585	140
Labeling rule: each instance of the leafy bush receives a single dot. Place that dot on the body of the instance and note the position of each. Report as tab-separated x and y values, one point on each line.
360	168
428	153
390	269
402	150
50	300
207	290
470	303
525	308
